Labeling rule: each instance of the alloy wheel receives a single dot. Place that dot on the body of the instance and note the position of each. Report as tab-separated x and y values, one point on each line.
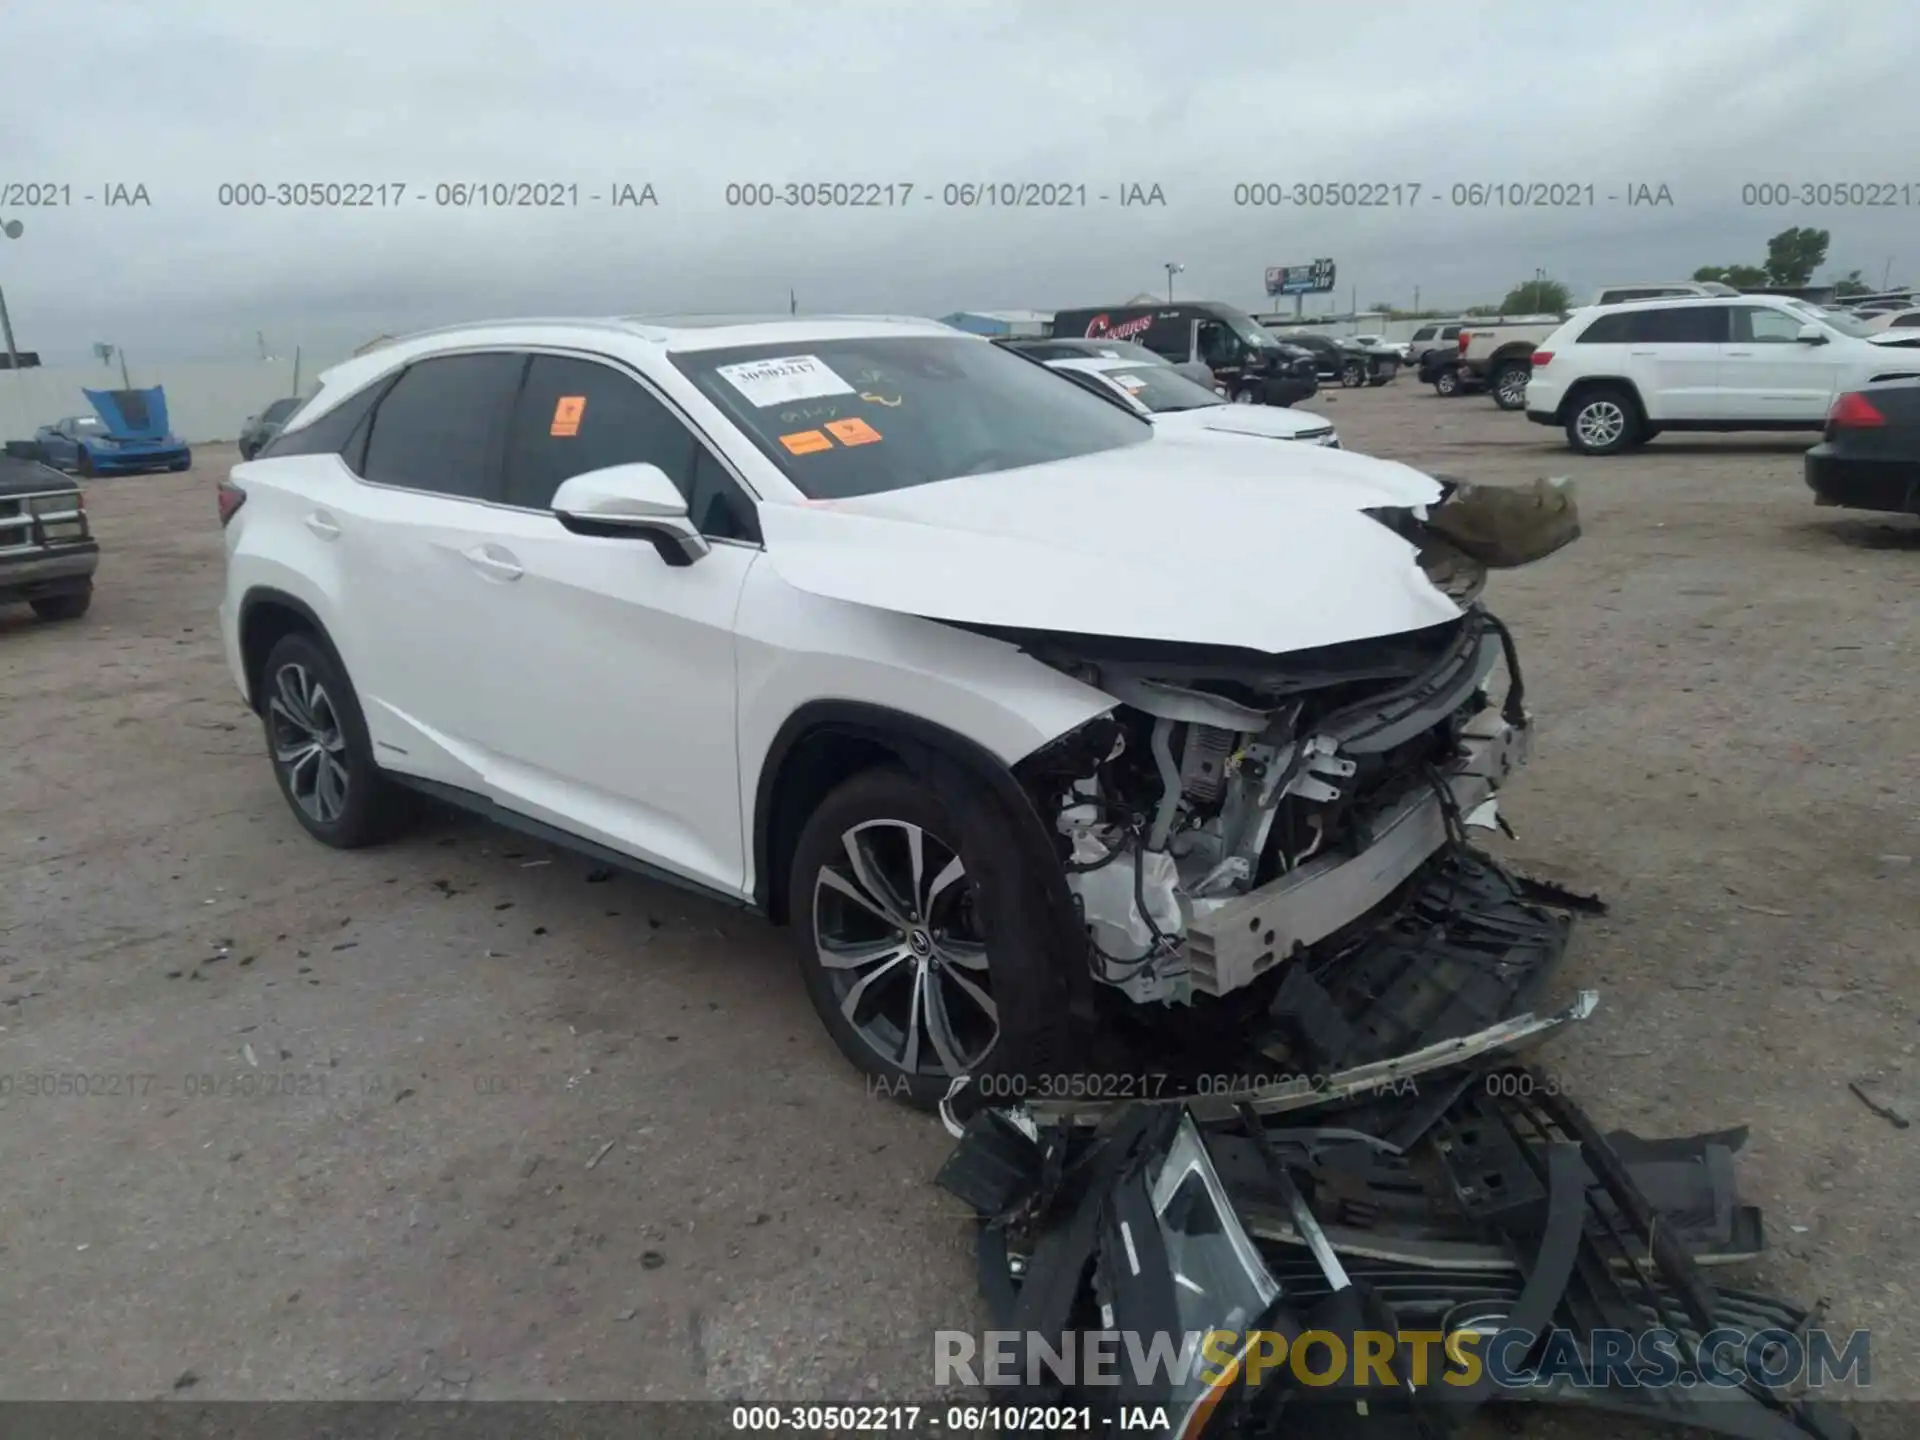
1513	388
895	930
1243	397
1601	424
308	743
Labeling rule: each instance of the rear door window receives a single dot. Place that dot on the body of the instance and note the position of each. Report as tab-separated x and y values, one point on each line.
442	425
1680	325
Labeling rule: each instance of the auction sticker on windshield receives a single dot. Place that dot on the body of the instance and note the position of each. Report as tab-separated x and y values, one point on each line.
806	442
852	432
567	411
786	378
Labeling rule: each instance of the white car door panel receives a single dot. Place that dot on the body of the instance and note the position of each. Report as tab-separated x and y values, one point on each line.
607	690
603	685
1673	355
430	471
1769	376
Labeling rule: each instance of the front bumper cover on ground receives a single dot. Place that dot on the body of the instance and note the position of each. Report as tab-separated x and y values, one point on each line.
1381	1162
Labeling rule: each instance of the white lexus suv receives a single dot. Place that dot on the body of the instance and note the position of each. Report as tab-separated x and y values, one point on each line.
1011	709
1615	376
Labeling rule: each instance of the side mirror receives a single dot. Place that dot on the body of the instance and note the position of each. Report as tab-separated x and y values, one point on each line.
1811	334
631	500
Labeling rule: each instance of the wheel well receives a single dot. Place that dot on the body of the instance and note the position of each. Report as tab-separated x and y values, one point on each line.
816	764
825	742
1580	389
267	618
1510	353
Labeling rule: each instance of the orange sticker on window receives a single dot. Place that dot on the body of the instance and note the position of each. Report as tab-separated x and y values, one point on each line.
806	442
853	432
567	411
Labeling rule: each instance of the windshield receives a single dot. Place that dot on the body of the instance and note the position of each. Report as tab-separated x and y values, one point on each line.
280	409
858	417
1161	388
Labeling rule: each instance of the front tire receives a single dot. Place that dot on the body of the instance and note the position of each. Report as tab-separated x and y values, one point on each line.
891	922
1353	375
1603	421
1510	384
70	606
322	758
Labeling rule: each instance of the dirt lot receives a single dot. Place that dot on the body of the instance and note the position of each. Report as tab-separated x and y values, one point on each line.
353	1152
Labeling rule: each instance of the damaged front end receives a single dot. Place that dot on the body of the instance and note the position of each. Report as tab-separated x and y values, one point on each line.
1236	810
1377	1267
1232	813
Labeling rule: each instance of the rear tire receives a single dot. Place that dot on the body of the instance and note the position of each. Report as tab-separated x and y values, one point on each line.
1510	384
318	746
1447	383
1603	421
83	463
943	951
1353	375
70	606
1249	396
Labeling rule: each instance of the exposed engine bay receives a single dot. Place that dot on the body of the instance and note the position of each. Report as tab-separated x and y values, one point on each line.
1211	824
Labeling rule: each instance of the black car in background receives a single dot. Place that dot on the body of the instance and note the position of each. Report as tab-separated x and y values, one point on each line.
47	550
1869	456
1245	359
261	428
1441	368
1351	365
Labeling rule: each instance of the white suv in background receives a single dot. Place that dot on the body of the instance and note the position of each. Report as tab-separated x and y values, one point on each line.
1615	376
887	633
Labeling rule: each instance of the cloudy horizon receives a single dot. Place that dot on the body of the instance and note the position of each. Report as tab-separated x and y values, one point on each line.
1119	99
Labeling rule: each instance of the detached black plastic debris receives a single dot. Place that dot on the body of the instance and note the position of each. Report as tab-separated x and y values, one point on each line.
1502	1214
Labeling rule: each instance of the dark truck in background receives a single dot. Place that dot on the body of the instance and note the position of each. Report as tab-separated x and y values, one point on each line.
47	550
1249	363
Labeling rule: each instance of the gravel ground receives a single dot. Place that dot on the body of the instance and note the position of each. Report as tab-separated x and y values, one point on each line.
465	1118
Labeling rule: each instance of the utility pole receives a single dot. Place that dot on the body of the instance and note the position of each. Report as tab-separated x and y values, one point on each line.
12	230
296	370
1416	300
1172	270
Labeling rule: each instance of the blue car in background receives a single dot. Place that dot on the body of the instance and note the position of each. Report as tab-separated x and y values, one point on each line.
126	433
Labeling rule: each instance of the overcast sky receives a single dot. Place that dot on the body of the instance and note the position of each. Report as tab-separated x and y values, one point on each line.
688	97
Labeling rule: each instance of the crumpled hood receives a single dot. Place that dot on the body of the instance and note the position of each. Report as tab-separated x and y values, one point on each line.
1207	539
131	414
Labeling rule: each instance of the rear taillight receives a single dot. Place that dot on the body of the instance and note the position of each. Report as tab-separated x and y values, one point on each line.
1543	357
1854	412
231	497
1464	337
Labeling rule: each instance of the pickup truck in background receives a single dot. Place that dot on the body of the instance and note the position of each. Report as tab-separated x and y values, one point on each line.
1499	355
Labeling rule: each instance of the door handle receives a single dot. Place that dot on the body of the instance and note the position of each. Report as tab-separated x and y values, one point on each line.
323	525
494	562
1638	353
1737	352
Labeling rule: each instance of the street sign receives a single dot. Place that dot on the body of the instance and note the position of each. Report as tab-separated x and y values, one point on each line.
1315	278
